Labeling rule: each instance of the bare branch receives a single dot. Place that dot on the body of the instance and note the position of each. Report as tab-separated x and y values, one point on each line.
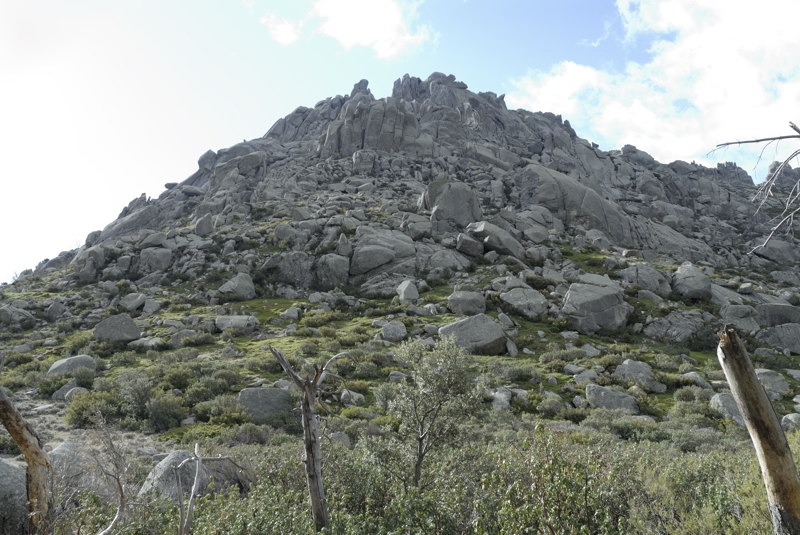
762	140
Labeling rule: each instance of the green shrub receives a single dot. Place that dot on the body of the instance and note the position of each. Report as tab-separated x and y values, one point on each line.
204	389
8	446
223	409
84	377
84	407
50	383
178	377
164	412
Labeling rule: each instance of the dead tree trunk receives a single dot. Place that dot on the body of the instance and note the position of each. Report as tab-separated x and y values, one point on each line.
38	471
313	458
774	456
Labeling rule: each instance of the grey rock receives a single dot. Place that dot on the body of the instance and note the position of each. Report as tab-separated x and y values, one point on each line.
773	382
526	302
13	498
162	480
496	239
677	326
407	291
690	281
477	334
772	314
697	379
368	257
61	393
742	317
725	405
241	323
266	405
118	328
72	393
785	337
640	373
452	202
11	315
394	331
606	398
240	287
791	422
466	303
204	226
584	377
349	398
397	377
591	308
68	365
468	245
332	271
648	277
154	259
77	464
132	301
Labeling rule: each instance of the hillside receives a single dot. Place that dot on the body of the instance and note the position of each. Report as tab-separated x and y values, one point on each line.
585	285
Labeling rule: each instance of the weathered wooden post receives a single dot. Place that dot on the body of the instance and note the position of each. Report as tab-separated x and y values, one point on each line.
313	460
774	456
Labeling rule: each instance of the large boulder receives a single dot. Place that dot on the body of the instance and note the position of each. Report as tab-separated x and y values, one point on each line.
600	397
466	303
163	481
266	405
77	464
646	277
368	257
70	364
591	308
725	404
477	334
772	314
240	323
13	498
451	202
640	373
407	291
742	317
154	259
239	288
118	328
394	331
496	239
11	315
525	301
773	382
677	326
785	337
332	271
690	281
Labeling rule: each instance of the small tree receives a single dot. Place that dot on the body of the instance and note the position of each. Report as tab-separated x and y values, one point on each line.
431	405
38	471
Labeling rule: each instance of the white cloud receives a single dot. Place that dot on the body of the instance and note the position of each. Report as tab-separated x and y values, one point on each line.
718	72
383	25
281	30
386	26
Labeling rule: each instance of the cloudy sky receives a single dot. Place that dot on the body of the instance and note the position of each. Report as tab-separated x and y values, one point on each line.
103	101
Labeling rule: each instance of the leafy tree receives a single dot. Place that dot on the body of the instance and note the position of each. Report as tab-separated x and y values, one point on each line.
431	405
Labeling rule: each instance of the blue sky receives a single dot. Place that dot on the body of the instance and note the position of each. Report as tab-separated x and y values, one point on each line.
102	101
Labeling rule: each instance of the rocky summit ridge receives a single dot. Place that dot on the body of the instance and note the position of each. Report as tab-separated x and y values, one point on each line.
474	220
